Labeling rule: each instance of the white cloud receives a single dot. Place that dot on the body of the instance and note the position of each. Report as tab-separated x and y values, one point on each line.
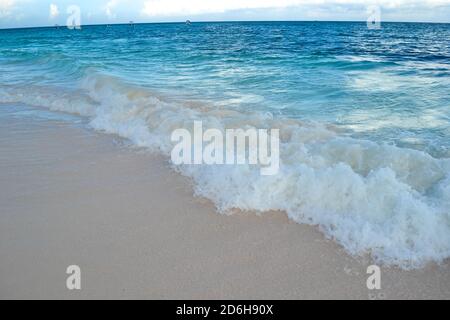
109	9
6	7
54	11
193	7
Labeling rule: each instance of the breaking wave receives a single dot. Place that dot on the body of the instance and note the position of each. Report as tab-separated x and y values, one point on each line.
378	199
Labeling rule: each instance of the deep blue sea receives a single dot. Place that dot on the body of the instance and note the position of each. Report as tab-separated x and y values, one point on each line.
364	114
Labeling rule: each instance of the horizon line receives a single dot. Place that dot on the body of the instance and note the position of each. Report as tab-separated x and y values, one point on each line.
213	21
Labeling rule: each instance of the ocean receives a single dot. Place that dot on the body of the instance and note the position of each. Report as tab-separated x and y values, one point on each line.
364	115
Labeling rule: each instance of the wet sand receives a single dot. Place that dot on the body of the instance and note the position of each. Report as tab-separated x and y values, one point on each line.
72	196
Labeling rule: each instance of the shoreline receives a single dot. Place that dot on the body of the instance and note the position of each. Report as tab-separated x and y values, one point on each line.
76	196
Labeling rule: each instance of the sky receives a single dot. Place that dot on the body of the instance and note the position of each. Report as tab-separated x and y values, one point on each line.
30	13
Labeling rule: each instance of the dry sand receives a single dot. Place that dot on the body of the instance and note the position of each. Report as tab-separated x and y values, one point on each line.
71	196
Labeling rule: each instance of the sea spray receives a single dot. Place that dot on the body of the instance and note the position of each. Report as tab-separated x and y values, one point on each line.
234	147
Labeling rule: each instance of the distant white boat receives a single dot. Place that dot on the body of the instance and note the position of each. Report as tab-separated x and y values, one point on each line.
188	22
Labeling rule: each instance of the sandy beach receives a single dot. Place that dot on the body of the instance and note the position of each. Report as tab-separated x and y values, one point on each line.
73	196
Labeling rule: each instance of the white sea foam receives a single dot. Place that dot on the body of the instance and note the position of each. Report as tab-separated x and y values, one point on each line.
371	198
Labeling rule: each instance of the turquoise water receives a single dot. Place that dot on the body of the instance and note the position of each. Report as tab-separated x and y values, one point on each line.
389	85
364	114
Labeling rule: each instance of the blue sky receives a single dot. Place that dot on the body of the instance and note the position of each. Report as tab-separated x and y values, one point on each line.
25	13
